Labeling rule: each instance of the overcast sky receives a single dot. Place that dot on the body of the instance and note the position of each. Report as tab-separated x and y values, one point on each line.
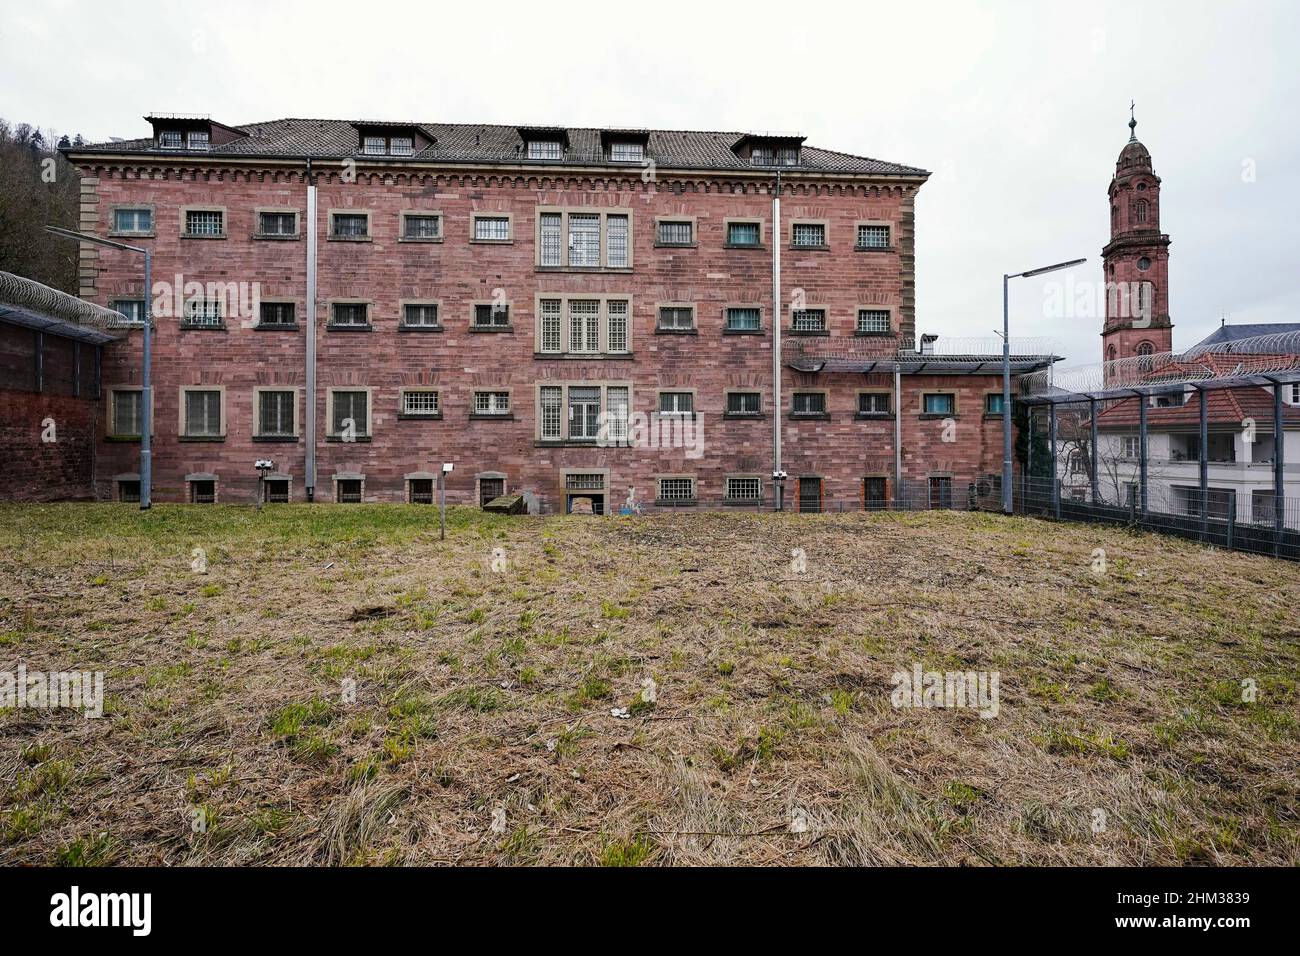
1019	108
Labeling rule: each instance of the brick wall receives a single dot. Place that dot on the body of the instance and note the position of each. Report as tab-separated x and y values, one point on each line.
457	272
32	469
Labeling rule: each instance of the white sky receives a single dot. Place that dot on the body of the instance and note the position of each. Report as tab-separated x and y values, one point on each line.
1020	109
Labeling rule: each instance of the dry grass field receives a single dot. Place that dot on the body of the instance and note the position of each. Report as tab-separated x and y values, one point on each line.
487	668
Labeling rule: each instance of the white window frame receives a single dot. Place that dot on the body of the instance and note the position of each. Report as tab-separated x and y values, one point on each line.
614	235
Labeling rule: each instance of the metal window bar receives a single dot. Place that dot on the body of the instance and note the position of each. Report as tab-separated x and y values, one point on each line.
873	320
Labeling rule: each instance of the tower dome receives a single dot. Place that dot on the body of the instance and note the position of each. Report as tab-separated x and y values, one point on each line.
1134	155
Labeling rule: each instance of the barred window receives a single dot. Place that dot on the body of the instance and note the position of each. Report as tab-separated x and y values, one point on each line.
552	399
775	156
676	489
492	228
277	224
402	146
808	320
584	240
492	403
677	233
617	406
584	482
203	312
128	413
203	491
350	314
198	139
374	146
419	402
744	489
743	403
421	491
170	139
584	325
743	319
809	234
616	314
132	220
128	489
205	222
131	309
422	227
276	491
423	315
491	315
350	405
873	403
873	237
552	252
676	403
938	403
873	320
348	491
275	413
545	149
676	317
349	225
616	232
809	403
202	413
584	412
550	320
626	152
743	234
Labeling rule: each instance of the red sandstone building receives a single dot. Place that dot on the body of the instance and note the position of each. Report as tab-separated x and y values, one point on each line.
535	305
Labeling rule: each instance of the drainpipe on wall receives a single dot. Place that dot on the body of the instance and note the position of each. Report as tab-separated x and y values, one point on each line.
898	429
776	344
310	360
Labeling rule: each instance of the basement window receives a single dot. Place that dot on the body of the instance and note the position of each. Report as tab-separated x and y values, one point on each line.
276	491
347	491
677	490
203	491
744	489
128	490
420	491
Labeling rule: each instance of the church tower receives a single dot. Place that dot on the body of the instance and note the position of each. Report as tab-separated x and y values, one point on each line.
1136	260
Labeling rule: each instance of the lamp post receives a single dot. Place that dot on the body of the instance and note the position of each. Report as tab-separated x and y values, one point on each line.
146	385
442	500
263	465
1006	373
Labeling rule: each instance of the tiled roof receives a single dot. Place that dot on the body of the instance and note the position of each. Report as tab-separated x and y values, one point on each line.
1222	406
669	149
1235	333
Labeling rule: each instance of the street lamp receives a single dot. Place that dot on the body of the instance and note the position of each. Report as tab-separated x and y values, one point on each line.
146	387
1006	373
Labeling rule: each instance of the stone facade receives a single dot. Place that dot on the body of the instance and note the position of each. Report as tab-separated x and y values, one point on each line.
385	271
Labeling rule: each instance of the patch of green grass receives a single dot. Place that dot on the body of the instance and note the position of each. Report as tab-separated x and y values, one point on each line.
100	850
611	611
1102	692
625	852
289	721
1059	741
479	700
591	689
962	796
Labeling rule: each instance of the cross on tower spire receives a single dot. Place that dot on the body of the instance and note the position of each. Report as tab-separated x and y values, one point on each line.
1132	122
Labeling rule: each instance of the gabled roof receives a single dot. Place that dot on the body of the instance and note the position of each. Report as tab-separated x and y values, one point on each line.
462	143
1235	333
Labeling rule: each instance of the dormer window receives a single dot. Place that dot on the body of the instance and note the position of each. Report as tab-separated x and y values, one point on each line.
382	142
774	156
623	152
545	149
198	139
171	139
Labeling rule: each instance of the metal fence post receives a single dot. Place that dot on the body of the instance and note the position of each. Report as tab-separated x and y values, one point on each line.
1142	452
1051	441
